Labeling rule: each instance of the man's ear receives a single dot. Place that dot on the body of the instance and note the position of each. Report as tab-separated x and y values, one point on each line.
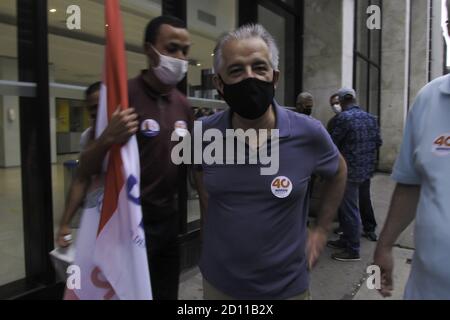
153	58
276	78
218	83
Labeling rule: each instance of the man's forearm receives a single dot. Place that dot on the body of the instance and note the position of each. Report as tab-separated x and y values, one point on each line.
332	197
402	212
121	126
91	159
75	198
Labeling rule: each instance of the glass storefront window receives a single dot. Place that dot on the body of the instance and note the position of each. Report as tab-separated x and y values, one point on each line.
281	26
374	94
207	21
275	25
362	32
12	262
289	2
361	83
367	59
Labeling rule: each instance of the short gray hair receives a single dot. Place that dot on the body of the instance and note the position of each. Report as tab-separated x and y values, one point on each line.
247	31
305	96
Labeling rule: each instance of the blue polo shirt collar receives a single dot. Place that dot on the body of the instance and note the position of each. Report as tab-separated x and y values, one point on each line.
283	122
353	107
445	86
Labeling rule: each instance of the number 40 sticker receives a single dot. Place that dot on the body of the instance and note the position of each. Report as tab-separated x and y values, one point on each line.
441	145
281	187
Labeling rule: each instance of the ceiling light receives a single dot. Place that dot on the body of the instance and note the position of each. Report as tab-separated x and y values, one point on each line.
52	10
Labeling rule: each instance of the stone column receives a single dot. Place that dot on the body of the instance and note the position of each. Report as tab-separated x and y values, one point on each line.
394	81
437	41
322	53
419	61
409	62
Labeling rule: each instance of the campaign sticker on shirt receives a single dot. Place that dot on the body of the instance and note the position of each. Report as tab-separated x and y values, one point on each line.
441	145
181	128
281	187
150	128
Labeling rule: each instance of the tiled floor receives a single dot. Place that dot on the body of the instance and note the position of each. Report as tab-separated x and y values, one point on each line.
11	224
11	229
11	241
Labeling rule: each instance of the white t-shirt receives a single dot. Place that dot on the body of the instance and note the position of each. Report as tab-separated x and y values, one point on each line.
425	160
85	137
95	190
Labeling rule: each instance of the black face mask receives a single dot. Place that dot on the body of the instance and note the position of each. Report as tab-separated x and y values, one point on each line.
307	112
249	98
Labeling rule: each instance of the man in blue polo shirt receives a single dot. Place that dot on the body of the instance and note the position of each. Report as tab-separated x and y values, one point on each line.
422	173
255	239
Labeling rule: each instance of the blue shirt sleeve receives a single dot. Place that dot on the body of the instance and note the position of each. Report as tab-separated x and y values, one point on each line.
379	140
405	171
327	155
339	130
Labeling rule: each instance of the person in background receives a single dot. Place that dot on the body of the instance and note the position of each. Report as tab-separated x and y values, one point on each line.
336	108
305	103
365	203
79	185
158	110
357	135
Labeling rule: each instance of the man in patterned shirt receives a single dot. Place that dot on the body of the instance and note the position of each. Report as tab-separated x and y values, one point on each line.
357	136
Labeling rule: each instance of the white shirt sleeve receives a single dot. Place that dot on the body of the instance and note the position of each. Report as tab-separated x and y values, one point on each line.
85	137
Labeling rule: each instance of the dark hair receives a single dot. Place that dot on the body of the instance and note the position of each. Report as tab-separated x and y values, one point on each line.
334	95
152	30
92	88
347	99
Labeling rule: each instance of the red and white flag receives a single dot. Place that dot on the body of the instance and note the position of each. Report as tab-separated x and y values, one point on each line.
110	248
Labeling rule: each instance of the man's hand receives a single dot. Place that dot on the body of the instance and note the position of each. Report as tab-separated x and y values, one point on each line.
383	258
64	236
123	124
401	213
333	192
317	239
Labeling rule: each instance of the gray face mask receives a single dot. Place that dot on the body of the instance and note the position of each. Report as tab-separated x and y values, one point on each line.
336	108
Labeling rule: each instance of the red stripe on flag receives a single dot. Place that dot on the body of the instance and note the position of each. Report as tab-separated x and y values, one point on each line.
114	183
117	95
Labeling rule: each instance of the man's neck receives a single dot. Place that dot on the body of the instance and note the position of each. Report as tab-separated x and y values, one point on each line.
348	107
154	83
267	121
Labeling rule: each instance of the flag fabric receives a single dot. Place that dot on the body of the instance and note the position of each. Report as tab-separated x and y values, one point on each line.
110	247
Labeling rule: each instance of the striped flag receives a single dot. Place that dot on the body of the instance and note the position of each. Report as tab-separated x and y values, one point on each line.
110	248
